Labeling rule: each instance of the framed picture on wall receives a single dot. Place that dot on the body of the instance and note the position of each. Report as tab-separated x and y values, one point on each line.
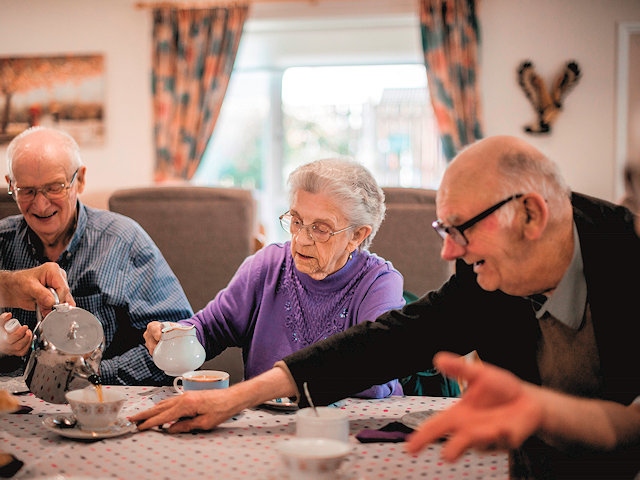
628	99
60	91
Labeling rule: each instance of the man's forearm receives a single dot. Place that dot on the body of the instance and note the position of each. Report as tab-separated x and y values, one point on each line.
5	282
274	383
610	424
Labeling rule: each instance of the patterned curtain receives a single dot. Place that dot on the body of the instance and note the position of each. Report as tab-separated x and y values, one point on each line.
193	55
450	41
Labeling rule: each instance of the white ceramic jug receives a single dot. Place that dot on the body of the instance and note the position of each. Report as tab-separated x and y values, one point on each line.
178	350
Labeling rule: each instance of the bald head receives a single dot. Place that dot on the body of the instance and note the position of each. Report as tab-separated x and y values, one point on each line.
43	143
500	166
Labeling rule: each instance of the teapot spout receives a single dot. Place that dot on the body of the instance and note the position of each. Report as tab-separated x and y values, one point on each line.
87	372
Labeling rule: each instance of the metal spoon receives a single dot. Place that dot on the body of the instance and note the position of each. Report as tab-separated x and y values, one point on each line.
64	421
308	395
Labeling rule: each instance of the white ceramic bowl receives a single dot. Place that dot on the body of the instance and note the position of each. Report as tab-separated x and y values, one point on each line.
313	458
91	414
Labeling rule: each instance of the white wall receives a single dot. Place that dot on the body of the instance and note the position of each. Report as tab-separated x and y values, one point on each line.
122	33
548	32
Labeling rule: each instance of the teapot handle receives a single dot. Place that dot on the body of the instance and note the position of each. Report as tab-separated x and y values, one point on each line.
56	301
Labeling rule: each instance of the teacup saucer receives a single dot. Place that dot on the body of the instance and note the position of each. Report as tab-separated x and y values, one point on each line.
283	403
121	427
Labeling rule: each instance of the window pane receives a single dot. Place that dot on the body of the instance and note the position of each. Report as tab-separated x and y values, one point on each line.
379	115
233	157
271	123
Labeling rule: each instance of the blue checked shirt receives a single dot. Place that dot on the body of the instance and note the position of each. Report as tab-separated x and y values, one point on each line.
116	272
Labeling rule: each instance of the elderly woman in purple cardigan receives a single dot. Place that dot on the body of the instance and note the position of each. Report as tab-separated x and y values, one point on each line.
289	295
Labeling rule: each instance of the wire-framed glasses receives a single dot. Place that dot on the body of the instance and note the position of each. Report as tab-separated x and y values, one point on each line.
456	232
52	191
318	232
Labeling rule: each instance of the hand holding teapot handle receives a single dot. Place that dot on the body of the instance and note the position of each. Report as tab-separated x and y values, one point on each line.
153	334
178	350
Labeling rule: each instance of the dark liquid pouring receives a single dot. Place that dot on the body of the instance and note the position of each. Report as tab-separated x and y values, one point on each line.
97	383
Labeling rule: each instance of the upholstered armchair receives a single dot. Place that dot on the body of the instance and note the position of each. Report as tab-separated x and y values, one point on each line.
8	206
204	234
407	239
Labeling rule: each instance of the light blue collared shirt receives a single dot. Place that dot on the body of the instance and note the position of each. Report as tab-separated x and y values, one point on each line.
569	300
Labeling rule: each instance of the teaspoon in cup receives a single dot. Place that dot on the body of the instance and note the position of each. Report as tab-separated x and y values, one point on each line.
308	395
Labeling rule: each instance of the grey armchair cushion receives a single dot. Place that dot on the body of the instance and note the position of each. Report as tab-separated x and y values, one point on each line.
8	206
204	233
407	239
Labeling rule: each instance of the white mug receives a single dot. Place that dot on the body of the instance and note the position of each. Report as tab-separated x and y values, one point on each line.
329	422
201	380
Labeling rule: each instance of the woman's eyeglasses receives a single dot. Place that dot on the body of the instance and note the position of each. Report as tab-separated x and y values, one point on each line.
318	232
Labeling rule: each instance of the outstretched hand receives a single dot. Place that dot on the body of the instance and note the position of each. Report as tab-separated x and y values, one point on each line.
497	411
193	410
205	409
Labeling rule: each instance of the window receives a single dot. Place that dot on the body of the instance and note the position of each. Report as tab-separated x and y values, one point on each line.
378	114
276	117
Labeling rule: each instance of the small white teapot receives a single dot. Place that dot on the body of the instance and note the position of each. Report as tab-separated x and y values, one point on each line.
178	350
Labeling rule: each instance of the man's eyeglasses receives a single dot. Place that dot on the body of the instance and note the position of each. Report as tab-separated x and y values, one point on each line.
318	232
457	232
52	191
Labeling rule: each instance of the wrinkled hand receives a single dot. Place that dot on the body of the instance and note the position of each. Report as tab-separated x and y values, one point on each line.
26	288
16	343
152	335
497	411
205	409
193	410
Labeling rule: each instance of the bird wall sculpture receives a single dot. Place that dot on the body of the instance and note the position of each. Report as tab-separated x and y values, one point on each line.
547	103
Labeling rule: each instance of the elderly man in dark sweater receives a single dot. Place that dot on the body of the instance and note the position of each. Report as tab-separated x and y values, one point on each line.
541	288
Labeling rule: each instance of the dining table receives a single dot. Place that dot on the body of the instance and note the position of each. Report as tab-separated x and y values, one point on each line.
245	446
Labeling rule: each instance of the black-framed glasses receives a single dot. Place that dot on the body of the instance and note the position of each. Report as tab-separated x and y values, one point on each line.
456	232
318	232
52	191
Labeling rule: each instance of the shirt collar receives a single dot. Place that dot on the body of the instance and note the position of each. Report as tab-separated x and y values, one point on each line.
569	300
81	226
35	244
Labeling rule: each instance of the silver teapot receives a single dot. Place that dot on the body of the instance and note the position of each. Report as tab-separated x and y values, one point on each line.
65	353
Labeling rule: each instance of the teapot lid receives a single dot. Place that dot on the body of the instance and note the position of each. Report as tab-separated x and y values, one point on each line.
73	330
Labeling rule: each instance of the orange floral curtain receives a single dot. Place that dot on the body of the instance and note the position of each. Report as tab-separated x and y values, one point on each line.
450	41
193	55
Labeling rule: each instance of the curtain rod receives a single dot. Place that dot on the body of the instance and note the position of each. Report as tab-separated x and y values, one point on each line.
213	3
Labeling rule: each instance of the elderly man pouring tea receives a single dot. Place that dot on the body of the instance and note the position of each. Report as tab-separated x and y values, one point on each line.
114	269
